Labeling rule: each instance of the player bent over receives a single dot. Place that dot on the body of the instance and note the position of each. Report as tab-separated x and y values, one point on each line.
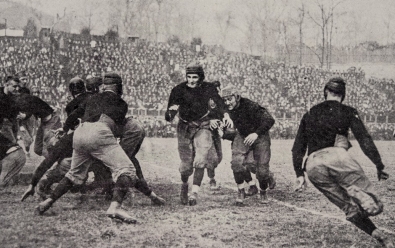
250	145
200	107
323	131
50	172
94	139
49	120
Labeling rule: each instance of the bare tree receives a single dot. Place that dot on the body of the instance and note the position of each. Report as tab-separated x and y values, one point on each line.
286	43
224	22
325	22
265	18
58	19
300	22
387	22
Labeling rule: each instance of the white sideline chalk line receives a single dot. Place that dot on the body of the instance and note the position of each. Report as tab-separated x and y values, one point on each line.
286	204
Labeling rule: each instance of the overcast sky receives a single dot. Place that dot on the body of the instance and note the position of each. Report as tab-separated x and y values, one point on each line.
369	15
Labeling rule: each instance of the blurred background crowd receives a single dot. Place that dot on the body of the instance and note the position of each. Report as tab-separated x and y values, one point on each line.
151	70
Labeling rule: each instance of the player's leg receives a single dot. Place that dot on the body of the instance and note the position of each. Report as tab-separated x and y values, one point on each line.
102	178
251	167
202	143
124	176
48	129
84	139
132	137
239	154
106	149
352	178
29	125
215	158
11	165
185	150
53	175
325	178
26	139
262	154
80	164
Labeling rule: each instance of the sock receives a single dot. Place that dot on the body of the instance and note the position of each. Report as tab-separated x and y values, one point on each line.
365	224
198	176
122	186
211	173
239	177
184	178
143	187
137	166
64	185
263	184
247	176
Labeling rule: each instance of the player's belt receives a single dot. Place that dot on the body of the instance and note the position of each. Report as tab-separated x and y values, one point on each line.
201	122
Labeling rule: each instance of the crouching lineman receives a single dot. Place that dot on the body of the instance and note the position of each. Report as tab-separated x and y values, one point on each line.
94	139
323	131
250	144
50	172
132	136
200	107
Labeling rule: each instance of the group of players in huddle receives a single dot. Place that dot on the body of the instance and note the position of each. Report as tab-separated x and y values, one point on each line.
97	136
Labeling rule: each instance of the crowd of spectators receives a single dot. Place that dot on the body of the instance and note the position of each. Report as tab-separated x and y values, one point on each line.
151	70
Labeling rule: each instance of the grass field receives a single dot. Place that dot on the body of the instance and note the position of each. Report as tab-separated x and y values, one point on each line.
305	219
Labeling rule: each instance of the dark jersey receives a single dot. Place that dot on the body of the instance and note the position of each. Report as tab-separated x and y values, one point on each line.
108	103
33	105
249	117
195	103
72	120
8	108
5	144
320	126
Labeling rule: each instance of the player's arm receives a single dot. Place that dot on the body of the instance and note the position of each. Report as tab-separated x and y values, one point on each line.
172	106
298	152
265	119
73	117
25	104
300	147
367	145
262	116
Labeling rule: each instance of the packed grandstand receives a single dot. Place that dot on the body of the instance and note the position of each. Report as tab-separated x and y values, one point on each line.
151	70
